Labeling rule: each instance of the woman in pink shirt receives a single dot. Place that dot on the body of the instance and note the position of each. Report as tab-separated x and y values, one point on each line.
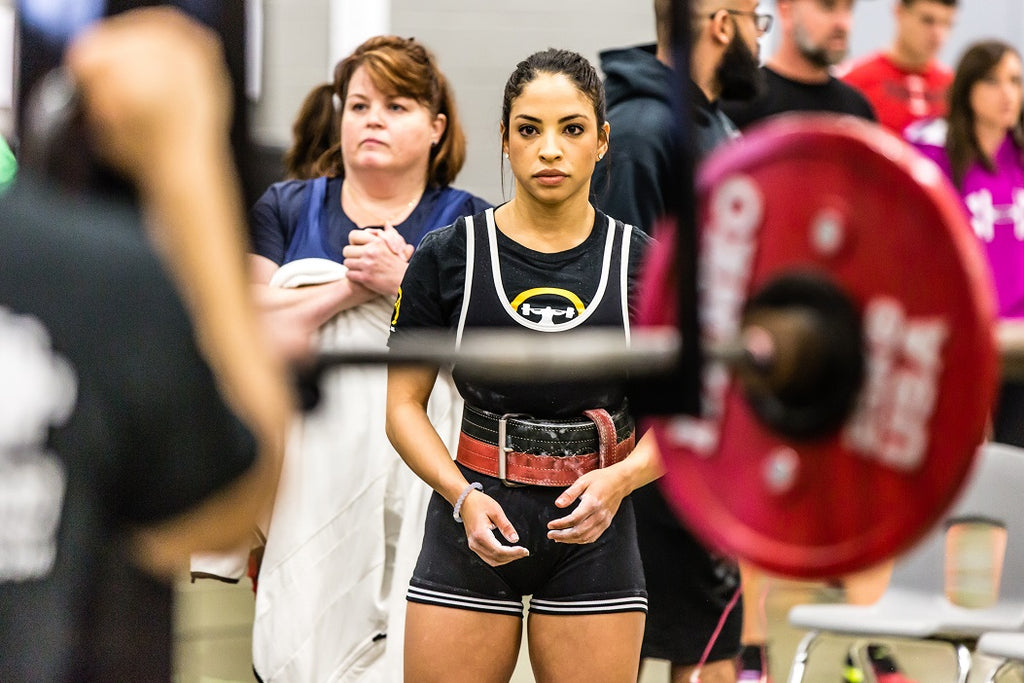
980	145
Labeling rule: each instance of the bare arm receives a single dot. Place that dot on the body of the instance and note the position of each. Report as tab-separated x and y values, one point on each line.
156	94
418	443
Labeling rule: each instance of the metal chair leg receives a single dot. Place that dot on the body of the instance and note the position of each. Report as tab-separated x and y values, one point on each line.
803	651
963	662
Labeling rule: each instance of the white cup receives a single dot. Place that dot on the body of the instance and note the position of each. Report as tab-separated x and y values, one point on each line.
975	548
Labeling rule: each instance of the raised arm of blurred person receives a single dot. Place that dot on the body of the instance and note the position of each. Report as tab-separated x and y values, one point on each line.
157	96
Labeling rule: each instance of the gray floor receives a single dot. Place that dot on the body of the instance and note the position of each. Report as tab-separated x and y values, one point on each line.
215	619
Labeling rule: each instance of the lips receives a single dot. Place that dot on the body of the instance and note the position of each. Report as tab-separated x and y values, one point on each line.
550	176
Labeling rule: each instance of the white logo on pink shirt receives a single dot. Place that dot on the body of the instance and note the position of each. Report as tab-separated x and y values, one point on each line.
986	215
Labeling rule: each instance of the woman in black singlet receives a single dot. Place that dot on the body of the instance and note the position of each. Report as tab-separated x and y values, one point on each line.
559	526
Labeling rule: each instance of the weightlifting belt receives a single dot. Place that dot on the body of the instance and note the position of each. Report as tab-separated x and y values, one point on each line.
521	450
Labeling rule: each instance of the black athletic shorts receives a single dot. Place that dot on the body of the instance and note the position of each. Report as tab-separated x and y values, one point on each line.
602	577
1008	421
688	587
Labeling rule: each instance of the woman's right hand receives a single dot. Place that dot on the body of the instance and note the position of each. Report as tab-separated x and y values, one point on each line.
377	259
481	515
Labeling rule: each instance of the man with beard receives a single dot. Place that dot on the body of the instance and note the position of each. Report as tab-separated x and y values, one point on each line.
815	37
638	84
689	590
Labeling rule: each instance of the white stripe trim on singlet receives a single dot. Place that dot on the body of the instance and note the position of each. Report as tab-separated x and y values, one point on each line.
637	602
467	287
637	606
492	238
440	598
605	601
627	235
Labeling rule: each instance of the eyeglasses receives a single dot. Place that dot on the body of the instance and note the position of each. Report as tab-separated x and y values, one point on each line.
762	22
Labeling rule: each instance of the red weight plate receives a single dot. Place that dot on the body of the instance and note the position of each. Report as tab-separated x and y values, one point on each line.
847	199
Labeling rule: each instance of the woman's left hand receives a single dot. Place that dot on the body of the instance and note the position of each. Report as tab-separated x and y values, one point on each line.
600	493
377	259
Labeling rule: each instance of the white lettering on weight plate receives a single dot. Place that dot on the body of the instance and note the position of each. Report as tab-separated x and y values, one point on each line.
728	248
904	363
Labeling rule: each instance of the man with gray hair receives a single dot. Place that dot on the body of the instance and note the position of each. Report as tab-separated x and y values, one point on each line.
815	36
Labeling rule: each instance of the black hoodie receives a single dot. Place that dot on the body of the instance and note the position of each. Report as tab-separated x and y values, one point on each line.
630	183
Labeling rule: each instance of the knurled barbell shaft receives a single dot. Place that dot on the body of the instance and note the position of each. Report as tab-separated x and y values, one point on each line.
504	355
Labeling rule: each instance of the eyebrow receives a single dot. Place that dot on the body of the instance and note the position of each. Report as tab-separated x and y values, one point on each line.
534	119
361	96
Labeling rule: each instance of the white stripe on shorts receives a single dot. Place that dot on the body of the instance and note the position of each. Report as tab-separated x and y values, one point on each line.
442	599
628	604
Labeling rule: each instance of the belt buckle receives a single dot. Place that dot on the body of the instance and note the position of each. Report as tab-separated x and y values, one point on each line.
504	450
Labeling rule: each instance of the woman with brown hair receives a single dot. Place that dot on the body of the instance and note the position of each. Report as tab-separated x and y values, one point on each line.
328	256
556	524
980	146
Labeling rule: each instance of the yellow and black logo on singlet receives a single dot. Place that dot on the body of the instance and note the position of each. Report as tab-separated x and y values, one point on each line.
398	307
548	306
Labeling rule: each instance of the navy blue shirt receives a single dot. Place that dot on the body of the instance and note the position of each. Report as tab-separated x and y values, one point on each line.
279	211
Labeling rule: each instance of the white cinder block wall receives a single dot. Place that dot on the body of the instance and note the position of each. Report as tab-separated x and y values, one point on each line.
296	56
478	43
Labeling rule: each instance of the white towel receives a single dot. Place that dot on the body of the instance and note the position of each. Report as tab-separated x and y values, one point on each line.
348	517
307	271
232	565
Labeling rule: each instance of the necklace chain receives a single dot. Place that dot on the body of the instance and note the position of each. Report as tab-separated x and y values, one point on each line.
383	220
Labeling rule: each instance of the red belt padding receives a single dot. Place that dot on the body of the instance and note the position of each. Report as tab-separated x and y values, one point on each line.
547	470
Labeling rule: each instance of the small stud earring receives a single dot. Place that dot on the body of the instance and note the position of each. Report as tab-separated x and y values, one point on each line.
506	155
600	156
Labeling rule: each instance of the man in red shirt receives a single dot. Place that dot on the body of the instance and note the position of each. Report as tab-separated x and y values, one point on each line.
906	83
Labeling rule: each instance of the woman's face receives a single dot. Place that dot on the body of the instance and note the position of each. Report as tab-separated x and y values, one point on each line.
553	139
381	132
996	98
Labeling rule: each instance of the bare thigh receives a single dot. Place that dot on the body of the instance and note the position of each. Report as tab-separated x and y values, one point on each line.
449	645
599	648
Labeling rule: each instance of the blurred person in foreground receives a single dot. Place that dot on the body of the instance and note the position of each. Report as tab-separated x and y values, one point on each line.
120	449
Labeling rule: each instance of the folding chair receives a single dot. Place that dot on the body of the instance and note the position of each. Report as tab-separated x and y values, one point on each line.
914	605
1006	646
